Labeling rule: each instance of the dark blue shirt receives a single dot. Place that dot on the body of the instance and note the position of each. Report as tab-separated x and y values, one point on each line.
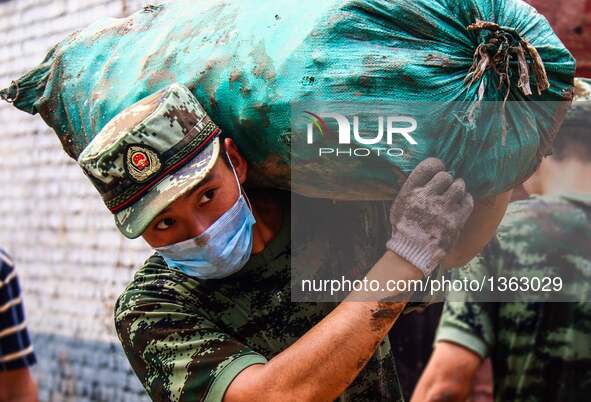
16	350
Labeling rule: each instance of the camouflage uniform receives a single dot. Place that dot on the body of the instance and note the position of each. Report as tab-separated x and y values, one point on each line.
540	351
187	339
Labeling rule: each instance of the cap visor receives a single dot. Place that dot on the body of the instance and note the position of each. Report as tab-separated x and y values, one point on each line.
133	220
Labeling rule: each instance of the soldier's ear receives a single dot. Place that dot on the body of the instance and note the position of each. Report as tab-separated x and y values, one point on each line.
235	157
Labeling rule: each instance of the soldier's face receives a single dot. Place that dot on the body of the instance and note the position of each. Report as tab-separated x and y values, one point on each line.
194	212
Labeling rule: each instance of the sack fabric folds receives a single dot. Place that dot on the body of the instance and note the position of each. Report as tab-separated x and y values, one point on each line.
249	61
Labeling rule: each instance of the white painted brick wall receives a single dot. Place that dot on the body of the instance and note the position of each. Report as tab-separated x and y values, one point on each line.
72	261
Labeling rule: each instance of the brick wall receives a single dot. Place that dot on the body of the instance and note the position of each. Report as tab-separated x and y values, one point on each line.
72	261
571	19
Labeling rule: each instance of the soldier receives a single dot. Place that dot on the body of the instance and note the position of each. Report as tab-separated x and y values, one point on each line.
209	316
539	351
16	351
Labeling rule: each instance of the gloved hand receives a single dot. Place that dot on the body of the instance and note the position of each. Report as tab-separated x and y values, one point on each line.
428	215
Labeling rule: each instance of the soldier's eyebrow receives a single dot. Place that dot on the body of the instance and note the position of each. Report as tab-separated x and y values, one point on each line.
210	176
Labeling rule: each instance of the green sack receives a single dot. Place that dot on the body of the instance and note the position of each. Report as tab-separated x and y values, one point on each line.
249	61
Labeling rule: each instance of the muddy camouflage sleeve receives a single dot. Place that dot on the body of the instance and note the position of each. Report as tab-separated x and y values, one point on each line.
540	347
469	321
464	321
177	353
541	237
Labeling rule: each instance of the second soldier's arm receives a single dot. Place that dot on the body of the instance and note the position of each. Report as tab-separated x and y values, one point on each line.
449	374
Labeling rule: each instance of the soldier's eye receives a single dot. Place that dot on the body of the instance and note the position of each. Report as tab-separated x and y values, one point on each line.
165	223
207	197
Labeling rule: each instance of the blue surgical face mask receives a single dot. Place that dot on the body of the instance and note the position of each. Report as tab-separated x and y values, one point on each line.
222	250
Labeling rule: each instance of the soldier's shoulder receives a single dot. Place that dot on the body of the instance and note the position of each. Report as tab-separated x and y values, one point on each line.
537	211
156	283
533	206
547	227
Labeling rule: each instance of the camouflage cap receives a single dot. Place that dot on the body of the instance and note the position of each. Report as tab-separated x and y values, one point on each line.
150	154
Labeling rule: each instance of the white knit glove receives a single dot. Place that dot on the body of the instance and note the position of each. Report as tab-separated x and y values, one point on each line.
428	215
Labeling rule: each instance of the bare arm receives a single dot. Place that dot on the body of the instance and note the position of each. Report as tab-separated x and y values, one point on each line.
326	360
449	375
17	386
479	229
427	217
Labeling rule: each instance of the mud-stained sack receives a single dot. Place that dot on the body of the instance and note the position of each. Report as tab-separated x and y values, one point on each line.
249	61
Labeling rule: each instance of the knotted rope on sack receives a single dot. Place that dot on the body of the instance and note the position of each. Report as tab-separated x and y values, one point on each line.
502	45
